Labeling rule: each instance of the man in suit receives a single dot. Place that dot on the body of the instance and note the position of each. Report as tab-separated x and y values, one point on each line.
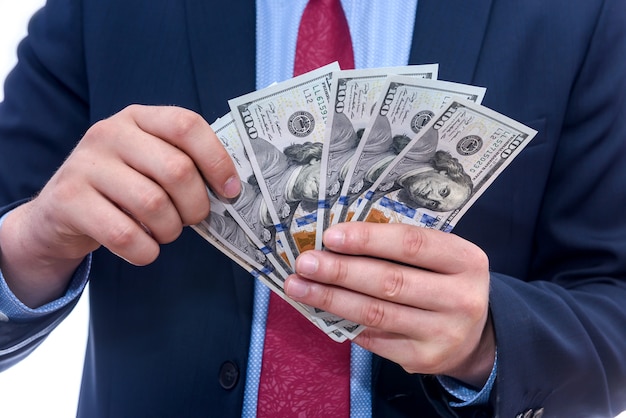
537	267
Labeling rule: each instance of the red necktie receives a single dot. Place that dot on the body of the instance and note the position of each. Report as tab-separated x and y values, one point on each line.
323	37
304	373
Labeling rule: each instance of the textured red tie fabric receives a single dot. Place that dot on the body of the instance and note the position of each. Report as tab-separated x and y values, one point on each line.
323	37
304	373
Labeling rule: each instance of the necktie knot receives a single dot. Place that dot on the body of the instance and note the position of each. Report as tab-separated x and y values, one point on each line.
323	37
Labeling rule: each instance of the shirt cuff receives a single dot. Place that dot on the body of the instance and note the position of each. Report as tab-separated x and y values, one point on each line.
467	395
11	308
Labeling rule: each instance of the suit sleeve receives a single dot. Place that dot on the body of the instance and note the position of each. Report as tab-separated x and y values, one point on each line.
561	335
43	115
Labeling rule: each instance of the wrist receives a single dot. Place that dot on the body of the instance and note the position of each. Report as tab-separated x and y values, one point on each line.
479	365
32	272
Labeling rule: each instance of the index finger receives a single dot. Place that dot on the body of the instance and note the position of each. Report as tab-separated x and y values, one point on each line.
189	132
420	247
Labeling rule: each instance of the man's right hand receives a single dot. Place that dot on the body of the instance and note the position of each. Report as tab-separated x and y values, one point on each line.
131	184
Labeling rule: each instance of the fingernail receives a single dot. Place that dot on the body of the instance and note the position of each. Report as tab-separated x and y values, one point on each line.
334	237
296	288
306	264
232	187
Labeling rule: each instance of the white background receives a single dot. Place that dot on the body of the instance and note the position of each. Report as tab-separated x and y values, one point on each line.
45	384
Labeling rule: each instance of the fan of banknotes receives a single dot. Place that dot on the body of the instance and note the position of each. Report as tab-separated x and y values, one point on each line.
378	145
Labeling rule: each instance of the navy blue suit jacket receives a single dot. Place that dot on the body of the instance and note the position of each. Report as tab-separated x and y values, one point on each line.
553	224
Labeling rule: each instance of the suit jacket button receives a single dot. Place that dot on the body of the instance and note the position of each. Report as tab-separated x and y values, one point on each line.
229	375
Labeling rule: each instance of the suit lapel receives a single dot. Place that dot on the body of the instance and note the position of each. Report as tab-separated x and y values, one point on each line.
432	43
223	57
222	41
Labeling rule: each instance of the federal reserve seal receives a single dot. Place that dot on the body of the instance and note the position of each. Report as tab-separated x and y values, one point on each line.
420	120
469	145
301	123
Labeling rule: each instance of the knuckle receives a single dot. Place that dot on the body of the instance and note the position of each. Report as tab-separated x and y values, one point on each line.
473	307
431	361
103	129
481	258
453	340
132	108
430	358
130	113
393	283
474	256
185	122
360	239
98	129
373	314
121	236
338	272
412	242
178	168
153	200
63	189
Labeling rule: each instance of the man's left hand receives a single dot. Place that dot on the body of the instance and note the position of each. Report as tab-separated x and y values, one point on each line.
422	294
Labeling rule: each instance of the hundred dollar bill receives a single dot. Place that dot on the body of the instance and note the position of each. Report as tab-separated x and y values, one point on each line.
249	209
405	106
433	185
226	230
225	244
282	127
249	212
354	94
